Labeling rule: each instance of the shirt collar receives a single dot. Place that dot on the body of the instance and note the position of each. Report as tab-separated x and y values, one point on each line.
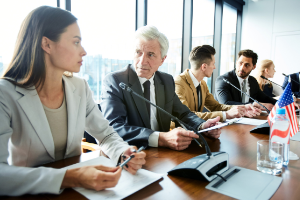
143	80
195	81
241	80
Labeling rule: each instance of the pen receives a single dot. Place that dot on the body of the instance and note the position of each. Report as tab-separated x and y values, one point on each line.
132	156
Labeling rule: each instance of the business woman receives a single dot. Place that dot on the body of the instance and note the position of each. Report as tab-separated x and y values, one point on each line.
44	111
265	68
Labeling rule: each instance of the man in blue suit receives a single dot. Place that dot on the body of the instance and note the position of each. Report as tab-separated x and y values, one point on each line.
136	121
294	86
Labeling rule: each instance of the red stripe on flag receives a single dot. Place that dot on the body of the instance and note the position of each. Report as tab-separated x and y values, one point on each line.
292	117
295	119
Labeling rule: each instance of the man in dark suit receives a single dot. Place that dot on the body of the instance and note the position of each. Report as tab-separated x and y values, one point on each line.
294	86
226	94
136	121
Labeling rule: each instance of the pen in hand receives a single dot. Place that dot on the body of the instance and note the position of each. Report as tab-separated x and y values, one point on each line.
131	156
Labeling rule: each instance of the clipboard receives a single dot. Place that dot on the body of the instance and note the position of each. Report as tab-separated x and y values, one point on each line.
246	184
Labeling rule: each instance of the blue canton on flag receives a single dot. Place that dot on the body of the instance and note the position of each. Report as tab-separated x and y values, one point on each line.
286	101
286	98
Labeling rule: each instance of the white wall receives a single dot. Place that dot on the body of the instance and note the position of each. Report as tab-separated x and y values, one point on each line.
271	28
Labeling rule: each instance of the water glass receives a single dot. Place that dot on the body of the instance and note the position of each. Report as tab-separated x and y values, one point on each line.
269	157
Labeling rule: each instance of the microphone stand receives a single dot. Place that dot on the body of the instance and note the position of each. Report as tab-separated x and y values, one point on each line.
128	89
270	81
225	80
291	79
206	166
263	128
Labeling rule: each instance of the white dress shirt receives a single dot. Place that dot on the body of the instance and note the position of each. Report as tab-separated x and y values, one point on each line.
153	138
196	83
247	87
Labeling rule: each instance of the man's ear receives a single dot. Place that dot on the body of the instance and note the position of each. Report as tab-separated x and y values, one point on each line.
203	66
163	59
254	66
46	43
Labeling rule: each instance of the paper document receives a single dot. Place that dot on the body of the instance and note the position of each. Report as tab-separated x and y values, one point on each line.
226	123
127	185
251	121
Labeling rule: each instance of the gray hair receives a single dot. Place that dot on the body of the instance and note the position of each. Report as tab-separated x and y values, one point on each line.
151	33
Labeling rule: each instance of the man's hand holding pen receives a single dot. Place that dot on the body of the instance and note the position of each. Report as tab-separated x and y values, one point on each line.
137	159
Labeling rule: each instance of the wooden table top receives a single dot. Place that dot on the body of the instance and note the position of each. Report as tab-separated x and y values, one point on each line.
235	139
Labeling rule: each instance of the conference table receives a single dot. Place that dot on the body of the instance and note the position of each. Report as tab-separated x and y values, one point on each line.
235	139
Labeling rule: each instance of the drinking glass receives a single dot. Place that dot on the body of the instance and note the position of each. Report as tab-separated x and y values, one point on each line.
269	157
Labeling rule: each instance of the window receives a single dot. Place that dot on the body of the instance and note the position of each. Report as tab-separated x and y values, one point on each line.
12	14
203	26
167	15
107	30
228	38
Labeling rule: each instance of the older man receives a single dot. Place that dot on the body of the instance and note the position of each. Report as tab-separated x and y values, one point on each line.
136	121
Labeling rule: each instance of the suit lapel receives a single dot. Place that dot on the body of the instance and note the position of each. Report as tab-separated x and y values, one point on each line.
251	86
159	97
192	86
202	96
73	101
140	104
235	81
33	108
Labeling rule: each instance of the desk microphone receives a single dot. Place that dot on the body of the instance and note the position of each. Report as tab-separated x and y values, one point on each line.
204	166
290	79
225	80
263	128
270	81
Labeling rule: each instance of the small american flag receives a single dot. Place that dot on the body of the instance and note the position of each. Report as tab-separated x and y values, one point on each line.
286	101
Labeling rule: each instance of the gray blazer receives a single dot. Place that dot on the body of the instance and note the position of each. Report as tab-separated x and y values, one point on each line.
26	140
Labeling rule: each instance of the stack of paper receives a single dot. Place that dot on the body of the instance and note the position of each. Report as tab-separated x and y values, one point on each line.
127	185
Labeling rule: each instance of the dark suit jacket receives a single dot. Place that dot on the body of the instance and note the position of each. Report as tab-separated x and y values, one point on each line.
226	94
128	114
294	86
268	90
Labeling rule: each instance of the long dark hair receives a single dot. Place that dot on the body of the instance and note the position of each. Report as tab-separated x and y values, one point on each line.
27	67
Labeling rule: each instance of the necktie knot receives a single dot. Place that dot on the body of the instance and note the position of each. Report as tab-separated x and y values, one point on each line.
146	85
244	82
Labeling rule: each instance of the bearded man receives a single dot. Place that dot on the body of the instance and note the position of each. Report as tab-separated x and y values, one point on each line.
239	77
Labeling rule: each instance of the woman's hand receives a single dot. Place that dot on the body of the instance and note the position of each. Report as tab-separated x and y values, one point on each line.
97	177
135	163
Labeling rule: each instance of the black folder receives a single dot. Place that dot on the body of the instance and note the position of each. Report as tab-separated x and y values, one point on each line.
262	129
